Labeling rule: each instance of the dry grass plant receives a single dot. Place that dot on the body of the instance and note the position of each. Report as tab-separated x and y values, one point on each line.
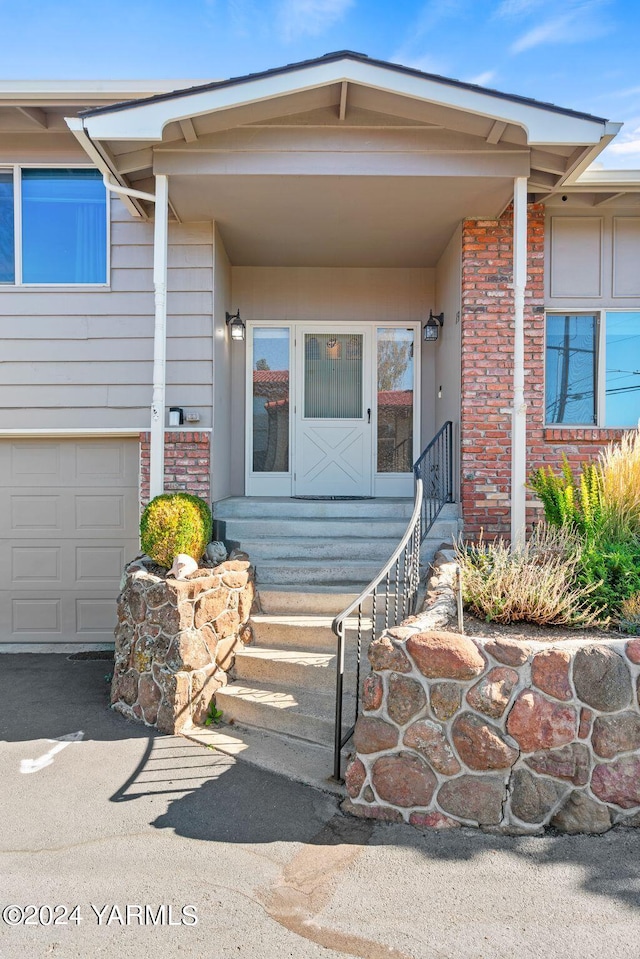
535	583
619	468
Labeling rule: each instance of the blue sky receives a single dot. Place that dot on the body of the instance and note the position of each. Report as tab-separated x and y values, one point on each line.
581	54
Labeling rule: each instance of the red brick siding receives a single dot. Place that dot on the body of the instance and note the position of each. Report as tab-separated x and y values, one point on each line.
487	375
187	464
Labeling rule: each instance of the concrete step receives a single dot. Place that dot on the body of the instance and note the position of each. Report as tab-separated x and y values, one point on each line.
330	550
300	632
304	668
325	601
261	507
243	528
352	575
303	713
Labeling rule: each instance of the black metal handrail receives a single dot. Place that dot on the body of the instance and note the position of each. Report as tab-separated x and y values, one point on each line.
434	467
393	594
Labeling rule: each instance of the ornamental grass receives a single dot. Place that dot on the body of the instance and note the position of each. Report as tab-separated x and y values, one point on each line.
536	583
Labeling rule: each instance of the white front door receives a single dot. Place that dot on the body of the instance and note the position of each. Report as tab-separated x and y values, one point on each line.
329	412
334	404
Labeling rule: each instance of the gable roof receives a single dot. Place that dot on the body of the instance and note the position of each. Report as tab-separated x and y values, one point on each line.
337	56
145	119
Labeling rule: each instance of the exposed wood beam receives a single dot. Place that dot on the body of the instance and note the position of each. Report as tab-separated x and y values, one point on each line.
496	131
548	162
188	130
546	181
607	198
136	160
342	113
36	115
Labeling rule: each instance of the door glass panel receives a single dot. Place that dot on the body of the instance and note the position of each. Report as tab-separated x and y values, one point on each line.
270	365
395	400
333	375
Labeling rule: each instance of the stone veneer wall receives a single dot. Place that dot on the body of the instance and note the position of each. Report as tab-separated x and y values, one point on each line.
505	735
487	375
176	639
187	463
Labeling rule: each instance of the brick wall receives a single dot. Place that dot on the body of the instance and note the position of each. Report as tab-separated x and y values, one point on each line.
187	464
487	375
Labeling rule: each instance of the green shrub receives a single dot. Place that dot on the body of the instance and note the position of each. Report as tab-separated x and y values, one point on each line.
536	583
175	523
571	503
612	570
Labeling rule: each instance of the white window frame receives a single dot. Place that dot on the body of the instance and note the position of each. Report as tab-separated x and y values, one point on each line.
18	283
600	385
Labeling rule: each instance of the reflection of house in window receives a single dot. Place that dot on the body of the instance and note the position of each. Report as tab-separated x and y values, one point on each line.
270	421
395	431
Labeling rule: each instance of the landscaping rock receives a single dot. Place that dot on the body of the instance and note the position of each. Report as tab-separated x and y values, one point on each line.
354	777
571	762
633	651
430	740
616	734
581	814
618	782
532	798
480	744
403	780
385	653
511	652
405	698
478	798
445	656
372	735
372	693
550	673
445	700
492	694
602	678
537	723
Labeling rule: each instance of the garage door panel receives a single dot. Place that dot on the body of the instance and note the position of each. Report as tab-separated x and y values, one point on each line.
36	564
39	617
94	618
35	464
69	514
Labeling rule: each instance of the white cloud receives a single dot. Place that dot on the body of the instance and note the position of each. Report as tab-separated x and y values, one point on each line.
578	23
482	79
298	18
513	9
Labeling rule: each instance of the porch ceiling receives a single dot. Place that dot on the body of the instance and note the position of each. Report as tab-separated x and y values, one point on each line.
337	221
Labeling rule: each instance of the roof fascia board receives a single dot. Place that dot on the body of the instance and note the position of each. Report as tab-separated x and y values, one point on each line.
77	128
75	91
146	120
608	178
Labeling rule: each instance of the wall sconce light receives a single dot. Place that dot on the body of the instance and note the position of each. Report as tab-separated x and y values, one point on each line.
236	325
432	327
176	416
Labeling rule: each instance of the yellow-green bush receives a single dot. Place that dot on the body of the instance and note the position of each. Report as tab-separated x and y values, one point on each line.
175	523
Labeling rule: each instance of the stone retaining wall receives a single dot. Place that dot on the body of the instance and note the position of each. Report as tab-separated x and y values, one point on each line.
505	735
176	640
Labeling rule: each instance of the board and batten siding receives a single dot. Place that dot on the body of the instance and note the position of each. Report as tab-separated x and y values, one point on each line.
83	358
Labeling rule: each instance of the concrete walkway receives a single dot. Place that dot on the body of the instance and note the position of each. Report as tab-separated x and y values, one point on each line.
271	867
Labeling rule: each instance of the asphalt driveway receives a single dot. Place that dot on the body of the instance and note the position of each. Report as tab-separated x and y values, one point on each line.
147	833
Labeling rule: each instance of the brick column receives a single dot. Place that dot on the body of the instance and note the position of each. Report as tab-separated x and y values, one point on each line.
187	463
487	364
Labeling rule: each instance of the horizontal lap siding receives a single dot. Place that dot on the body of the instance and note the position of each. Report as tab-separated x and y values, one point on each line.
84	358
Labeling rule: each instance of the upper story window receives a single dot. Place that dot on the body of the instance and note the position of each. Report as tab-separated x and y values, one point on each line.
592	368
53	226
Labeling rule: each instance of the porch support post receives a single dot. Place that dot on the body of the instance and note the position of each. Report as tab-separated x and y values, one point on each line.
519	411
160	239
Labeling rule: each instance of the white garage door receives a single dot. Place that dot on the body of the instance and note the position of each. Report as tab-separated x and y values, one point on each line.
68	523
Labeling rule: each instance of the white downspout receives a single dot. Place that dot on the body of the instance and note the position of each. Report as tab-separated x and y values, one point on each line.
519	412
160	246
